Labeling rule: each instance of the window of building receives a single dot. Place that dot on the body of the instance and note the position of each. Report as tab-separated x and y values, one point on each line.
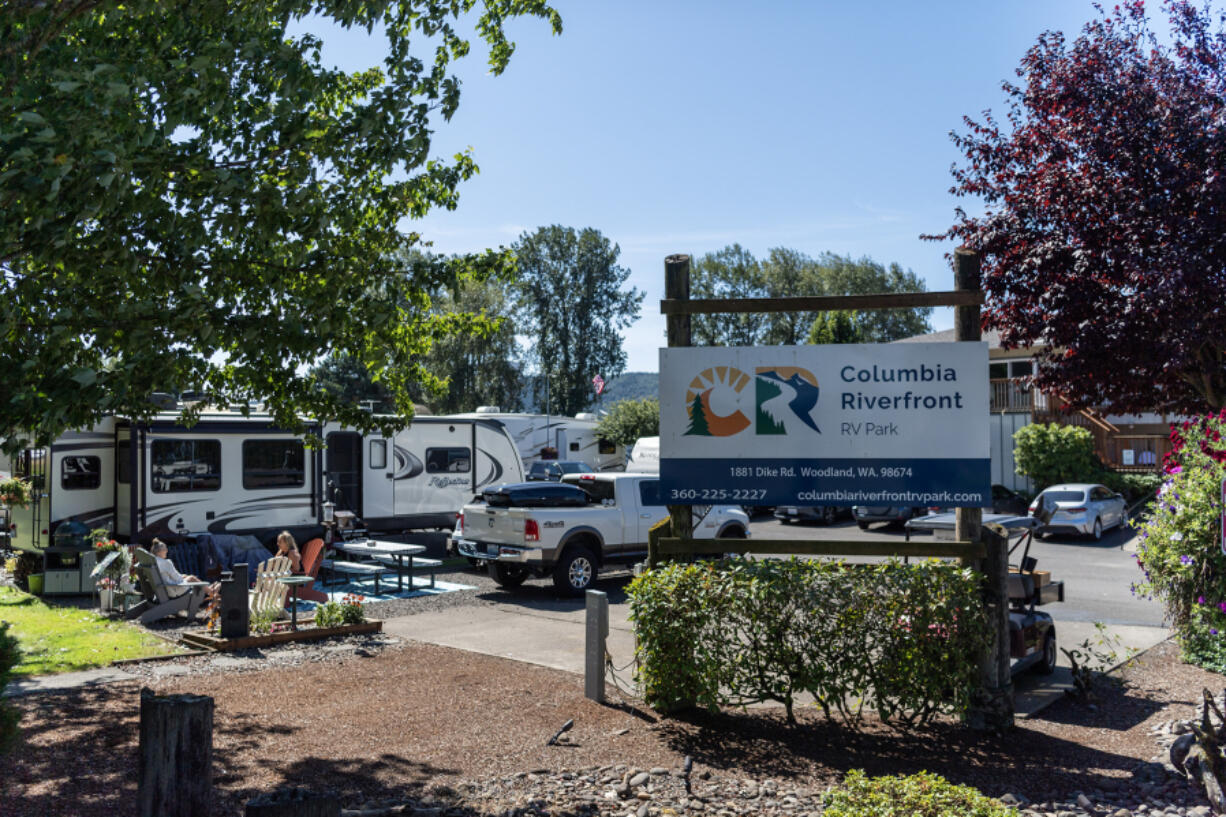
447	460
1021	368
80	473
273	464
998	371
186	465
378	454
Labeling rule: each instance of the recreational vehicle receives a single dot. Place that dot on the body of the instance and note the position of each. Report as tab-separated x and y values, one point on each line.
571	438
235	474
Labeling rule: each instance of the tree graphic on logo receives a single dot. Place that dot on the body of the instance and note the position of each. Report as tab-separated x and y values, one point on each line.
765	423
698	419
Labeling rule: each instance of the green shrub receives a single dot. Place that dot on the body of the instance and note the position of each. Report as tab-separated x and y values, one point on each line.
899	639
1179	547
626	421
10	657
327	614
917	795
1134	487
27	563
1050	453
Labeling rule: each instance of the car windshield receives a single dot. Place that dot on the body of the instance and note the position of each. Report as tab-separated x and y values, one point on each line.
1064	496
574	468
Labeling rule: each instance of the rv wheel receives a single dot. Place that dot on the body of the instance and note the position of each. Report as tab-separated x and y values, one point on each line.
508	575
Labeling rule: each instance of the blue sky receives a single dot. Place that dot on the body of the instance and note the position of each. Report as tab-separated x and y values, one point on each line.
676	126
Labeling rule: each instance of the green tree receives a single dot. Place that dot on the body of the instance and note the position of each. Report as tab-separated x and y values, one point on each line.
839	326
574	303
350	382
732	272
627	420
188	195
1050	453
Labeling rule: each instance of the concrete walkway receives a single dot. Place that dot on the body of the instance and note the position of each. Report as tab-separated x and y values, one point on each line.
65	681
552	635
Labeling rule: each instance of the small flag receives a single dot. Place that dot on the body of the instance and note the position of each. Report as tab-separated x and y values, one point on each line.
598	382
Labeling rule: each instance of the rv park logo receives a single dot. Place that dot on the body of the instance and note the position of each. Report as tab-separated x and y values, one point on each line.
784	398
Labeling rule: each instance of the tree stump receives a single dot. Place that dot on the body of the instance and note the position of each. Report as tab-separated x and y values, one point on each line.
293	803
176	755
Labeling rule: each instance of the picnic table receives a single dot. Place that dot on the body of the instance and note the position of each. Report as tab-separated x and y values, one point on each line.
391	555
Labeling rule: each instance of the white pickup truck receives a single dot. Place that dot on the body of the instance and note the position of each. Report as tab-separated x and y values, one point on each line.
572	529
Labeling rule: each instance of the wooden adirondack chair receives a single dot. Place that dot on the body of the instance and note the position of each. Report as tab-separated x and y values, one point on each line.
158	602
312	558
269	594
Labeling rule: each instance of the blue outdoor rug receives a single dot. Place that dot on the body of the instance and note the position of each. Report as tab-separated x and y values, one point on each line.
387	590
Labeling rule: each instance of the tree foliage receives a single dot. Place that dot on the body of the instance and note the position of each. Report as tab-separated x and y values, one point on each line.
188	195
733	272
573	303
839	326
1103	187
628	420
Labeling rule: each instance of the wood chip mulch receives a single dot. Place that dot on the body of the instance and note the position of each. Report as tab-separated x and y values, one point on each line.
421	719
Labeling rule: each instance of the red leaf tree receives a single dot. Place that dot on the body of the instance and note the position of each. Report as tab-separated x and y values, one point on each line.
1103	237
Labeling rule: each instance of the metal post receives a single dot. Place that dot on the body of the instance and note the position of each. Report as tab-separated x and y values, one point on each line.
597	633
677	288
993	708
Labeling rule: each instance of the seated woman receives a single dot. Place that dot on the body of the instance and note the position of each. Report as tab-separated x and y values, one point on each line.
176	582
286	546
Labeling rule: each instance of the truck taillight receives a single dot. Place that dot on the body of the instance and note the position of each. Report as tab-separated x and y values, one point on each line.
532	532
459	521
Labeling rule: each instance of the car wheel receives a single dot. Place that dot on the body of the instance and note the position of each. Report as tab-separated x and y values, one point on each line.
785	520
829	513
863	525
575	571
1047	665
1098	530
509	576
734	532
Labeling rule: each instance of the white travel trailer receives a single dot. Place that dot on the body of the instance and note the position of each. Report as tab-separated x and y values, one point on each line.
235	474
645	455
574	438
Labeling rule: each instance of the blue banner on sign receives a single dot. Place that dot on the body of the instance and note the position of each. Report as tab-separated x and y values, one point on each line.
917	482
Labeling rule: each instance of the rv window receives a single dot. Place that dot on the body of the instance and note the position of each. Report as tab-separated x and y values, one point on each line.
123	462
378	454
447	460
273	464
574	446
606	447
186	465
80	473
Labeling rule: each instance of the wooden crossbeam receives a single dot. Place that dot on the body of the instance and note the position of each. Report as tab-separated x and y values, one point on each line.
673	546
820	303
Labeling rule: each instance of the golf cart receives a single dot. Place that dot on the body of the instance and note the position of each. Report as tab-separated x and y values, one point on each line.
1032	633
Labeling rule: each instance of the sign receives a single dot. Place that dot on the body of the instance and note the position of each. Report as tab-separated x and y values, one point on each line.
851	424
1129	458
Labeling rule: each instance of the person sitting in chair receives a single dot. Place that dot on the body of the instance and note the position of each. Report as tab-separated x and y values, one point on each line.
176	582
287	547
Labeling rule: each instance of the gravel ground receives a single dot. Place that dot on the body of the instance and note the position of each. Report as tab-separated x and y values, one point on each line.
384	723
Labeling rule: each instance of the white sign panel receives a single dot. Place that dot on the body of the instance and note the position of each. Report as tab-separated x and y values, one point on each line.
852	424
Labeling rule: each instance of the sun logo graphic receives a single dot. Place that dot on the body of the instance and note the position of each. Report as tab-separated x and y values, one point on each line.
782	393
712	400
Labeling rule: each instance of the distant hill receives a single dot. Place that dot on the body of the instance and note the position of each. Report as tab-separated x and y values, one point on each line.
628	386
631	386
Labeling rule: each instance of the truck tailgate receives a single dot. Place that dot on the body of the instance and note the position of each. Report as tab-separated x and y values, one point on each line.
502	525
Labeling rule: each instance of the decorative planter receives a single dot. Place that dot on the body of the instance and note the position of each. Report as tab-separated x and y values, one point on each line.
200	638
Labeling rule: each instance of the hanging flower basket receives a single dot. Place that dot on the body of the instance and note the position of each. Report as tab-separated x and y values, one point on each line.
15	492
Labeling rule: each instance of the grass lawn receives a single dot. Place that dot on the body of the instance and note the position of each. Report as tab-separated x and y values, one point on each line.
64	639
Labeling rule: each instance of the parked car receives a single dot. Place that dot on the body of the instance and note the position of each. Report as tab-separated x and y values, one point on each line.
894	514
826	514
554	470
1081	508
1009	502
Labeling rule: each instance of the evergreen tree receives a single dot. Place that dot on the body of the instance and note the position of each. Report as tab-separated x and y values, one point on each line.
698	419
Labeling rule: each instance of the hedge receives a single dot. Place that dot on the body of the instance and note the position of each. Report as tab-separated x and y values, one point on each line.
902	640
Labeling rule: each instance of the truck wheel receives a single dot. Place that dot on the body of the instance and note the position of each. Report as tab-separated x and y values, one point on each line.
575	571
863	525
1047	665
509	576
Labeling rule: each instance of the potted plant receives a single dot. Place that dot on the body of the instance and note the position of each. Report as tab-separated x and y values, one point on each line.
110	584
15	492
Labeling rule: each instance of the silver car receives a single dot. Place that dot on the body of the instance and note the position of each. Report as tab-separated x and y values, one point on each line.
1082	508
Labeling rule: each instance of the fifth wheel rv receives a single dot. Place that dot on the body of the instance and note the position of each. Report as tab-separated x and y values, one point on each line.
235	474
572	438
